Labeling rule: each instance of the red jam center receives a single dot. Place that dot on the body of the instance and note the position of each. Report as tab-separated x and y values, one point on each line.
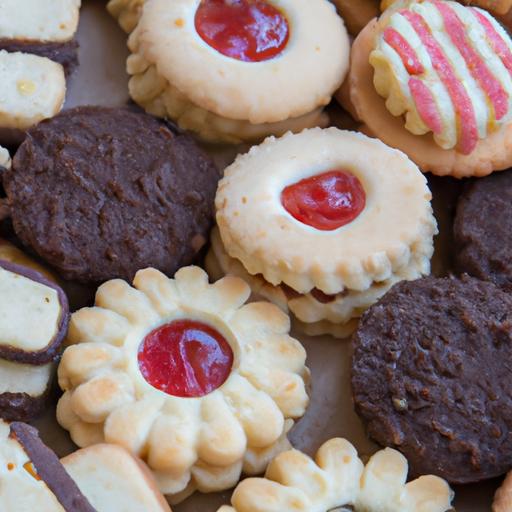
247	30
326	201
185	358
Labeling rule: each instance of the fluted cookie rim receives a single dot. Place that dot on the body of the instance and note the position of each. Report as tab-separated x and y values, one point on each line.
263	92
257	230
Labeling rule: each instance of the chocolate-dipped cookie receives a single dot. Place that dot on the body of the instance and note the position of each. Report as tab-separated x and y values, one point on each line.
431	376
102	192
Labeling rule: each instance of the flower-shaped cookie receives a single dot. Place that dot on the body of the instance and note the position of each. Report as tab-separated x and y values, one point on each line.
336	478
127	12
183	374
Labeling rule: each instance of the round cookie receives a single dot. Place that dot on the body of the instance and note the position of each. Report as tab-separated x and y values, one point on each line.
357	13
100	193
229	70
186	375
336	477
483	230
430	375
432	78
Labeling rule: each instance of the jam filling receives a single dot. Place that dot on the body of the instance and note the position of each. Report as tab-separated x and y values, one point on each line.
326	201
246	30
185	358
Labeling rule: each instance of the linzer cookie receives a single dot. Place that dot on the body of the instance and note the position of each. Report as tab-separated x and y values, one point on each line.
186	375
324	222
433	78
338	478
430	376
97	202
228	71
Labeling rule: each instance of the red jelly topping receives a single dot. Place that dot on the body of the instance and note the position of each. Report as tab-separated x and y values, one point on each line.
247	30
327	201
185	358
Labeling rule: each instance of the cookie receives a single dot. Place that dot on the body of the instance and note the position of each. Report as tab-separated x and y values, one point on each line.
95	202
430	376
338	478
482	230
322	214
238	83
503	497
357	13
197	424
423	70
126	12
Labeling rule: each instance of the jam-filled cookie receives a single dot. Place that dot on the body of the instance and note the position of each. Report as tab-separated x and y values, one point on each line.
97	202
186	375
338	478
325	221
357	13
102	478
431	376
238	71
434	79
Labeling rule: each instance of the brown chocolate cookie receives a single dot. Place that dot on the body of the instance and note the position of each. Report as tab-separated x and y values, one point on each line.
483	229
431	376
100	193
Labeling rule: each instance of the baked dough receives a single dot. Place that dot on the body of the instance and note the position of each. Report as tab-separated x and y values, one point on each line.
200	443
495	6
503	497
223	99
337	477
357	13
126	12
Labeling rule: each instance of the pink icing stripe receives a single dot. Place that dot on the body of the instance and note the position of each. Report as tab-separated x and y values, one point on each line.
405	51
498	44
426	105
476	66
468	133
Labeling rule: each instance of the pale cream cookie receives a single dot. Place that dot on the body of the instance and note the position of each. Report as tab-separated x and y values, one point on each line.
177	74
495	6
337	477
432	78
196	430
390	232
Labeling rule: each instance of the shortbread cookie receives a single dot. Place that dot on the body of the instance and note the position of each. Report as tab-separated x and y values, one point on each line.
357	13
33	89
323	213
503	497
111	202
432	78
431	376
238	82
126	12
338	478
182	373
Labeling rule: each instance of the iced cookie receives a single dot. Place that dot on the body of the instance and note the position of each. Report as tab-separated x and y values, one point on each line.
431	378
338	478
97	202
433	78
229	71
319	222
33	324
185	375
357	13
103	478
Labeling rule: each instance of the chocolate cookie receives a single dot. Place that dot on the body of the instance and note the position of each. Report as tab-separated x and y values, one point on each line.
431	376
101	193
483	229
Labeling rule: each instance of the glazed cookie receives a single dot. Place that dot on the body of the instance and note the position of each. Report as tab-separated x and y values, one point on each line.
357	13
238	82
103	478
430	376
96	202
338	478
321	216
496	6
205	383
482	230
433	78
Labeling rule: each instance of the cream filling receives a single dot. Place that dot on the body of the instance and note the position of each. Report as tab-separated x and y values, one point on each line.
29	318
391	77
24	378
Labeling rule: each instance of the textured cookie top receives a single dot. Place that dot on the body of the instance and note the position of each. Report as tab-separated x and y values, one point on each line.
447	68
395	223
431	376
337	478
39	20
260	92
483	230
97	202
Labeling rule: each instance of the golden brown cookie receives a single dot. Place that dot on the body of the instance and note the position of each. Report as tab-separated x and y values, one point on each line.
357	13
